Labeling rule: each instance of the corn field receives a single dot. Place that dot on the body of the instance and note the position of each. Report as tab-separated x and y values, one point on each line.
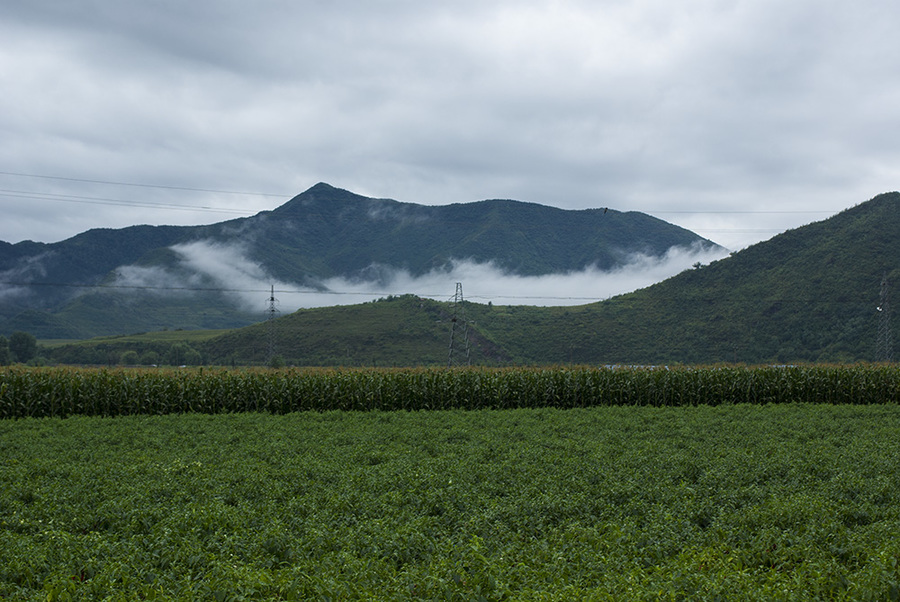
44	392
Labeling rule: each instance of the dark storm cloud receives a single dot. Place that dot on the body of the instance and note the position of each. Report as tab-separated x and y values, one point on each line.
689	111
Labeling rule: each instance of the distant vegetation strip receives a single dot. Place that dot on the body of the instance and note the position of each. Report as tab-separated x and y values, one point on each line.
43	392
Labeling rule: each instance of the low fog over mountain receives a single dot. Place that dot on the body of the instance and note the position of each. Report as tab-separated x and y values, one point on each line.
328	246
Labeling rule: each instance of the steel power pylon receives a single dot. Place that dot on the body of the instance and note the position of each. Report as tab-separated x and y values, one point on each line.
884	348
271	314
459	331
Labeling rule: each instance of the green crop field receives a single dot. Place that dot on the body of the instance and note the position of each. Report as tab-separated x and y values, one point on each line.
793	501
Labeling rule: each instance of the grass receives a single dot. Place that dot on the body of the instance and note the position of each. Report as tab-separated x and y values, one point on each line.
743	502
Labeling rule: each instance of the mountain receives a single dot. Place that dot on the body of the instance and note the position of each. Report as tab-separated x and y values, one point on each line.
145	278
808	294
811	294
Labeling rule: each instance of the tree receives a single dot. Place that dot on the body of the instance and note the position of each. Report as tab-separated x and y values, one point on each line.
130	358
5	356
192	357
23	346
150	358
182	354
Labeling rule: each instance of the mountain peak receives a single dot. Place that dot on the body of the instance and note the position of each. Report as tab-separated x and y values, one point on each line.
319	195
320	188
323	189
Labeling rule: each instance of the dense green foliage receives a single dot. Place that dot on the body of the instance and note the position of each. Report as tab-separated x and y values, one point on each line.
5	354
117	353
172	348
22	346
31	392
322	233
809	294
523	238
735	502
397	331
125	312
82	259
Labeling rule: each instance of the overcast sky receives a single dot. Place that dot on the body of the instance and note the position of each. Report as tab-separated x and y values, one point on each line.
734	118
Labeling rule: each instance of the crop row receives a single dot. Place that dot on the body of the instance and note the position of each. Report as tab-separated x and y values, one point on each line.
41	392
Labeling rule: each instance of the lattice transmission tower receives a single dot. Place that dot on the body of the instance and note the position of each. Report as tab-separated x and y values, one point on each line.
884	347
271	315
459	331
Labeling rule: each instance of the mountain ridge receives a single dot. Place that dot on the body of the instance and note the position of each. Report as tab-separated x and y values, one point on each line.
59	290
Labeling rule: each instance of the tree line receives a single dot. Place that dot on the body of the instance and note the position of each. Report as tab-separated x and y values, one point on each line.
20	347
23	348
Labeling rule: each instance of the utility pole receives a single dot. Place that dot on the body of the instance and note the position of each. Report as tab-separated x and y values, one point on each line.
459	331
884	347
271	314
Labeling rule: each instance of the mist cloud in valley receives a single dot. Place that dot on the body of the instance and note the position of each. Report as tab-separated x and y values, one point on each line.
485	282
207	265
204	266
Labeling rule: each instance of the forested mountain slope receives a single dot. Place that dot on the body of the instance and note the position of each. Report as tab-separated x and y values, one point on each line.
153	277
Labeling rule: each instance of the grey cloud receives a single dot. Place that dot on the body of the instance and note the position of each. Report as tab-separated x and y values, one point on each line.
704	105
28	269
202	265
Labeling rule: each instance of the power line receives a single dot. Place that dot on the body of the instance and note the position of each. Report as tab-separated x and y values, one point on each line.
213	289
72	198
371	293
139	185
283	195
752	211
739	230
280	291
170	206
139	287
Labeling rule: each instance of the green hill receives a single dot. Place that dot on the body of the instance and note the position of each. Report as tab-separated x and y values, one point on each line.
398	331
809	294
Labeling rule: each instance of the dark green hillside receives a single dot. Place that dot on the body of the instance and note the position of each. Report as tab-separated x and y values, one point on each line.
809	294
84	258
107	313
326	231
126	312
322	233
46	276
398	331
